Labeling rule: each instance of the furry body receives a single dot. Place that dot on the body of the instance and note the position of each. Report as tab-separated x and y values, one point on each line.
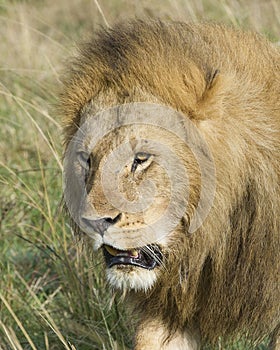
222	281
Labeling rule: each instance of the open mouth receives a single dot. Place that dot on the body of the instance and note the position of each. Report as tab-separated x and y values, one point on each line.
147	257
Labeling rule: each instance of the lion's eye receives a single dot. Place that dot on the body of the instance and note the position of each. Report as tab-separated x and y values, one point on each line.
84	160
141	159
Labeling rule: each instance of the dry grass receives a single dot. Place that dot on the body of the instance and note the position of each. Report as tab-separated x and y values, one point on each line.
52	296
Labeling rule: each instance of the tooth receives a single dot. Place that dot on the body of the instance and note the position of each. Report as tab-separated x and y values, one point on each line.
134	252
111	250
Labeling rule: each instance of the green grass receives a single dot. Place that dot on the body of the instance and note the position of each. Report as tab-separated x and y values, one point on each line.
52	292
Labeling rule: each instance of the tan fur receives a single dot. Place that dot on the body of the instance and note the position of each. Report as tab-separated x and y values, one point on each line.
222	281
152	335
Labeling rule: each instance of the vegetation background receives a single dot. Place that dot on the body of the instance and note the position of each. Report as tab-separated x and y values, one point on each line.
53	295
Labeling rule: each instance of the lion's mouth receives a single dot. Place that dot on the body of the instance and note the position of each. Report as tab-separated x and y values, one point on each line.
147	257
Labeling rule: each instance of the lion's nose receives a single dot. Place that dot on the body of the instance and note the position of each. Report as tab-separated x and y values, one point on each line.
100	224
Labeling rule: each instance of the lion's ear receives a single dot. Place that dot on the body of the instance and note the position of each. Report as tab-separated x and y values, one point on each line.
211	77
210	103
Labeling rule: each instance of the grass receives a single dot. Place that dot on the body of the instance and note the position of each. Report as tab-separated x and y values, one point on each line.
52	294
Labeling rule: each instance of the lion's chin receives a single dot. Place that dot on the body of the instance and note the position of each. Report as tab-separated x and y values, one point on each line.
126	277
134	269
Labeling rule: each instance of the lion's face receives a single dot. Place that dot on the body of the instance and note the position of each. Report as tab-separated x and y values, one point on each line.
141	183
131	262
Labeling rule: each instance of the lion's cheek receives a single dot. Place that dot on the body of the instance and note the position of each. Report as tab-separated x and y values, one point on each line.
156	210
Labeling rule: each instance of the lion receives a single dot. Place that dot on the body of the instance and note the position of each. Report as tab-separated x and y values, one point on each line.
174	173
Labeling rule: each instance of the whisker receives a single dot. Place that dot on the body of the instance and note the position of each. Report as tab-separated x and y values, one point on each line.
152	253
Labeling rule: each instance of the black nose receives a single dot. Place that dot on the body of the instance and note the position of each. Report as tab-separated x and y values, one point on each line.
100	225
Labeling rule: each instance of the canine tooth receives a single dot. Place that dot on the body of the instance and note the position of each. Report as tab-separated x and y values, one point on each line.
111	250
